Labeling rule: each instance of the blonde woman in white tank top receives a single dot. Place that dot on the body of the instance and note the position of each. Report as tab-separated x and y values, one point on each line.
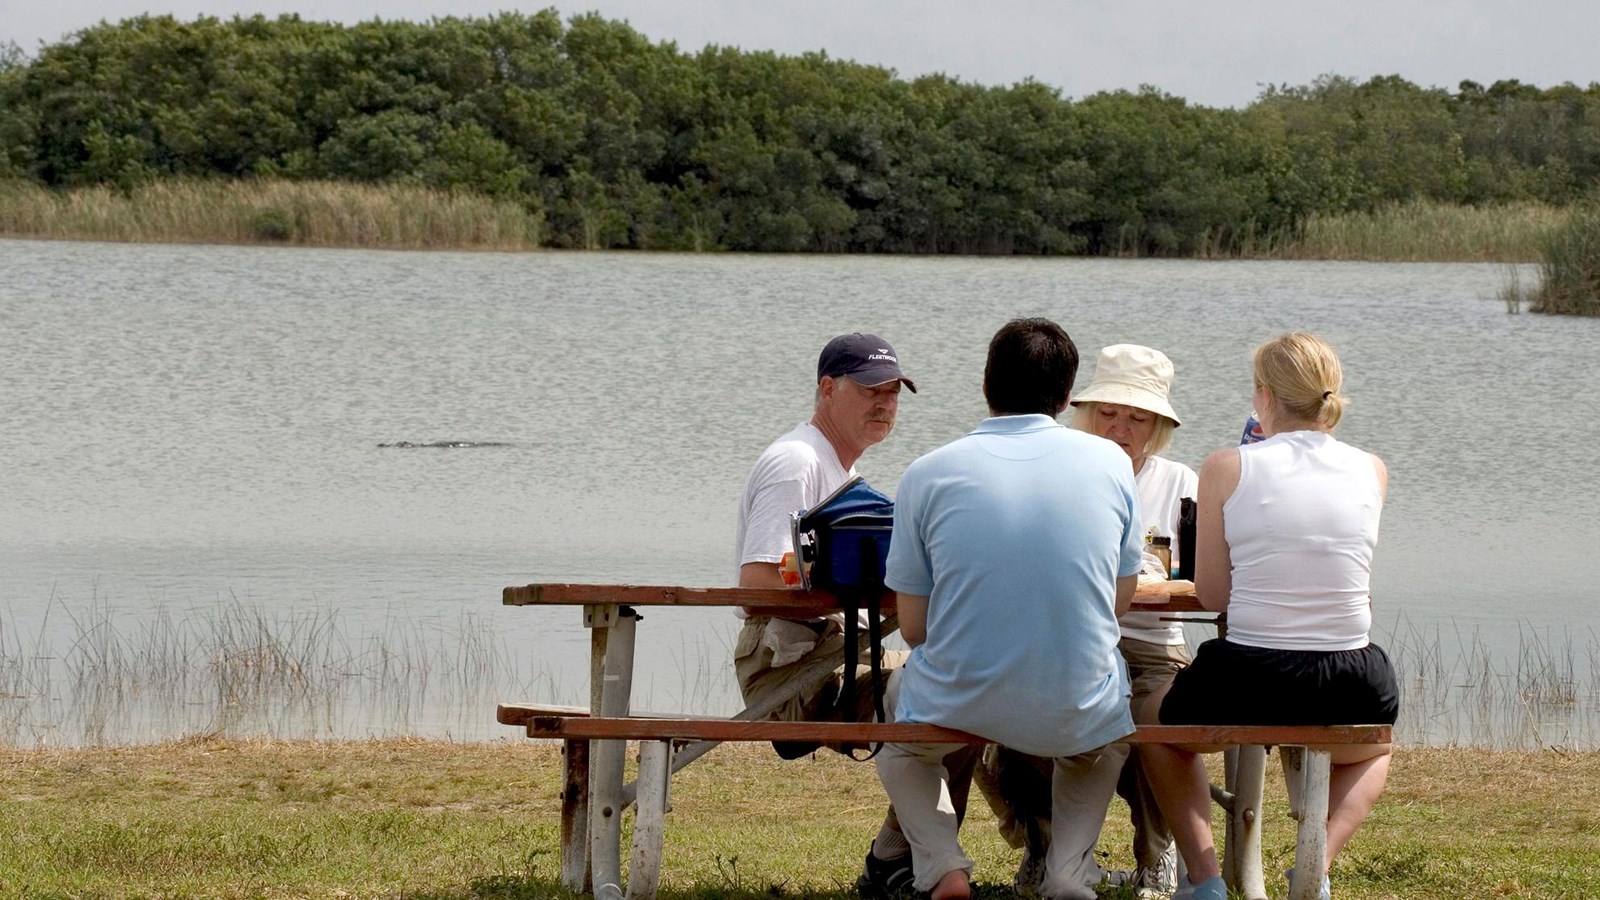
1285	537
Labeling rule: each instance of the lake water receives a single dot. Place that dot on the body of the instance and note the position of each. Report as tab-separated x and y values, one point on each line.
201	530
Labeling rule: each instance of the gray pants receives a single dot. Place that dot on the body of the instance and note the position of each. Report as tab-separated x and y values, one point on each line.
917	780
1015	783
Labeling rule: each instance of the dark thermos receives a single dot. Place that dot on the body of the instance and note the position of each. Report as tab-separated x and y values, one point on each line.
1186	516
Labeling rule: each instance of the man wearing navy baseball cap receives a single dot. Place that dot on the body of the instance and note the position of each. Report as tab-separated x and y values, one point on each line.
858	395
857	398
859	382
864	358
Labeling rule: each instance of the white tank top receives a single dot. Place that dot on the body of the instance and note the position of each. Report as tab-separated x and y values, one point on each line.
1301	528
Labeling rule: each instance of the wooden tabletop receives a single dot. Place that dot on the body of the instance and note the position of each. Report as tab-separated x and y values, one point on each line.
760	601
706	729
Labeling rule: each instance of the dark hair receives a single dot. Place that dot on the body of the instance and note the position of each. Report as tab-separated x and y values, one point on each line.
1032	364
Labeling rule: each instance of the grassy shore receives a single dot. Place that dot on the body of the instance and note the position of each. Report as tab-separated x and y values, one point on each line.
310	213
1430	232
214	818
331	214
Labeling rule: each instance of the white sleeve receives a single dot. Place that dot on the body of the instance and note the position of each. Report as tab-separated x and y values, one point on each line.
1133	555
767	534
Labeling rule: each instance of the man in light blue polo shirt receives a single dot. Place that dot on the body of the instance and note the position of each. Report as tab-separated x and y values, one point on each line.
1015	549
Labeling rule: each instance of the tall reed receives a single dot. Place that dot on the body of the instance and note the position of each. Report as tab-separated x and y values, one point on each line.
309	213
93	677
241	670
1569	276
1424	231
1546	696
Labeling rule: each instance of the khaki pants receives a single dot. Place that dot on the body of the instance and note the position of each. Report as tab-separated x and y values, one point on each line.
771	654
918	779
764	639
1150	666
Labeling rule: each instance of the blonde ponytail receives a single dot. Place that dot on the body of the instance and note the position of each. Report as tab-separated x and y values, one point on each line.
1304	376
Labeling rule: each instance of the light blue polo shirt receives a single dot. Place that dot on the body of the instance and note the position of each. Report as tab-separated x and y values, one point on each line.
1017	533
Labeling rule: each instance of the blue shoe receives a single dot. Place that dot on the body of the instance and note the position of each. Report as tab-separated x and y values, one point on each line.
1213	888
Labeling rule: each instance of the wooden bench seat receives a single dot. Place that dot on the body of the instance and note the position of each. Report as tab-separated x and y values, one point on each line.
521	714
1306	768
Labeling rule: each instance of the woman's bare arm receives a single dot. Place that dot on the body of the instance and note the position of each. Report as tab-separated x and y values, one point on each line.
1213	567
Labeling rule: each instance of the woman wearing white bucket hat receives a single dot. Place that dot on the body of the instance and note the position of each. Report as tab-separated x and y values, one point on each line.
1127	403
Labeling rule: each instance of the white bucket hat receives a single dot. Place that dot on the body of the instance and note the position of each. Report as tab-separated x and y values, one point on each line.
1132	376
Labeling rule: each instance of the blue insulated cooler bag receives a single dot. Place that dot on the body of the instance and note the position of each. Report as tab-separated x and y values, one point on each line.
849	532
845	538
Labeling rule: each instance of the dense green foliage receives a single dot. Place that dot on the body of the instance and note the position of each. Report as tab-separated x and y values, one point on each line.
617	141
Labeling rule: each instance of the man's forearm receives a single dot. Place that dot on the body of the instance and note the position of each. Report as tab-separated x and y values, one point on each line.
1126	585
913	612
760	575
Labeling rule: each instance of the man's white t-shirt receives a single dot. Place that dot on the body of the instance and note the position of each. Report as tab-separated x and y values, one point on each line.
1161	483
795	472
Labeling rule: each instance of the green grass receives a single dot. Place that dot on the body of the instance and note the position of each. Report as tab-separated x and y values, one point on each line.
418	819
1569	269
322	214
1569	276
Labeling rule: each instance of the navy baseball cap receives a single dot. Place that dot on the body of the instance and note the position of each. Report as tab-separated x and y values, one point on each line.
863	358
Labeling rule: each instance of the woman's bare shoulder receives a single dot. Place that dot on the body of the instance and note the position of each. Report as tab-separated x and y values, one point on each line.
1383	473
1224	460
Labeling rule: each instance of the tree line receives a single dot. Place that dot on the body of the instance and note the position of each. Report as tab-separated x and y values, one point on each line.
619	141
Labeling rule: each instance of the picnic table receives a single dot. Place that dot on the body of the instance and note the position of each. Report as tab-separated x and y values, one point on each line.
595	794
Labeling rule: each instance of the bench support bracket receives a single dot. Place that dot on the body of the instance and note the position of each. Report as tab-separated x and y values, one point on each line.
1308	772
575	816
606	757
1241	864
649	827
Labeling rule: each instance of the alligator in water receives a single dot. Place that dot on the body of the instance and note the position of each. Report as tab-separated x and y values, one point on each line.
442	445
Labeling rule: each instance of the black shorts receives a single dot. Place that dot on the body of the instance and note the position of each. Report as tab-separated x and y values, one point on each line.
1232	684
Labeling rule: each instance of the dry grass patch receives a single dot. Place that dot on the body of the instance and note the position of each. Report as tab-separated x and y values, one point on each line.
1427	231
308	213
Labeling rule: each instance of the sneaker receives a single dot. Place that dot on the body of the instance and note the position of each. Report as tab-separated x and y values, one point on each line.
1144	887
1029	881
1150	883
1211	889
1324	891
1119	877
882	879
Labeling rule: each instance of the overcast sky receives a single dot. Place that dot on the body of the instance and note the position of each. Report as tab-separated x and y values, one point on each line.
1219	53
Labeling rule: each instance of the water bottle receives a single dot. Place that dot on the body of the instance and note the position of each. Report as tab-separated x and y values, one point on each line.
1187	514
1252	430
